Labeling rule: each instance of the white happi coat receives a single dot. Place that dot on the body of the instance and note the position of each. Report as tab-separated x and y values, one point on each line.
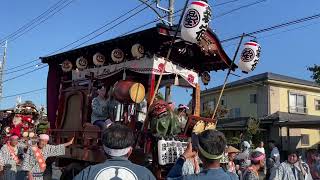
9	165
285	172
31	164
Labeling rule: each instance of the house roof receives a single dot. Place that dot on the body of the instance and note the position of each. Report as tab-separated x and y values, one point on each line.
292	119
208	55
263	77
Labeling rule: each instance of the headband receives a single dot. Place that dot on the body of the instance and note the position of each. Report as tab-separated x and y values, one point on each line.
44	137
208	155
259	158
116	152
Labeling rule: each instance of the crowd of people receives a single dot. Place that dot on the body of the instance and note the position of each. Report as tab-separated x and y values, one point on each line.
20	160
207	158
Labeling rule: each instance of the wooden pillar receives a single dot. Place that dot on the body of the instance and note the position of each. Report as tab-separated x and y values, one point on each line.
196	100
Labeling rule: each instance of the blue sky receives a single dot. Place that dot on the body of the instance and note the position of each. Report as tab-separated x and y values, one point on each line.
287	53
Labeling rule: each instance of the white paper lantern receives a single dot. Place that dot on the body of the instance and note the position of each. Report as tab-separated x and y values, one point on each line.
195	21
205	77
117	55
249	57
81	63
98	59
137	51
66	66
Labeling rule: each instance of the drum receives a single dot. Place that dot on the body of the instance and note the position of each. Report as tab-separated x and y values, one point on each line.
126	91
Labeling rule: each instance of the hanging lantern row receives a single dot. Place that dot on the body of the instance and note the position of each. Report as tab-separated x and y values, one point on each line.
250	56
117	56
195	21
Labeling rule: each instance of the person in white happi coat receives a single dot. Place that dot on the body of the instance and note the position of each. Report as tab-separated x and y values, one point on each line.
10	161
35	159
292	169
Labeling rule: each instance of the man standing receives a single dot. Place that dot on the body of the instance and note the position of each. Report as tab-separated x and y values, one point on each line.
35	159
117	143
257	162
275	154
292	169
260	148
211	146
243	157
10	161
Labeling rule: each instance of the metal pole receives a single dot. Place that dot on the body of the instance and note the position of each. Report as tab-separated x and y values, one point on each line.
170	19
226	79
171	11
2	66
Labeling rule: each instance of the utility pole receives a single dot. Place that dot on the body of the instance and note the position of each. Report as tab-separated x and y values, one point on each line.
170	20
2	66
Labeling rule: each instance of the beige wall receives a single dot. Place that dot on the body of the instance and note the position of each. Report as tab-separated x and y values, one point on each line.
279	99
236	98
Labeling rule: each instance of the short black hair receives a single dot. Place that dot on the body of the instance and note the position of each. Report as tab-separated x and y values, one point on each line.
254	155
118	136
272	141
296	152
213	142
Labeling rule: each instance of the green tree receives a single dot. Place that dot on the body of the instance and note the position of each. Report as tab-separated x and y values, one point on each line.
315	69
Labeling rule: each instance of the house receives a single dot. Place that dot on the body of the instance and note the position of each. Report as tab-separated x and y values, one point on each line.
288	108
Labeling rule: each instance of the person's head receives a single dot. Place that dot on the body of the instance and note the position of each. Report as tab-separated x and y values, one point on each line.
257	158
272	144
14	140
118	140
102	91
43	140
232	152
182	108
171	106
293	156
261	144
245	145
211	146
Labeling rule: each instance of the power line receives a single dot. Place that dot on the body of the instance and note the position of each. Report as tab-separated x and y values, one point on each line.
29	72
238	8
43	20
131	16
21	65
96	30
228	2
30	22
28	92
286	24
22	69
33	21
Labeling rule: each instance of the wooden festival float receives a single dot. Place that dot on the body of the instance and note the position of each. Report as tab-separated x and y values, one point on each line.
134	67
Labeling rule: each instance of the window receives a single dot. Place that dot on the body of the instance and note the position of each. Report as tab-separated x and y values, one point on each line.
317	104
234	113
305	139
211	104
253	98
297	103
223	101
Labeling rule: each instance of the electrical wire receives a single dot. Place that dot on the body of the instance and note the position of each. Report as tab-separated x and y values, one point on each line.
29	72
33	21
96	30
278	26
48	17
238	8
27	92
131	16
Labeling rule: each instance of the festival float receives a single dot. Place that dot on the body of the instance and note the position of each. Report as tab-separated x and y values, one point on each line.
132	68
